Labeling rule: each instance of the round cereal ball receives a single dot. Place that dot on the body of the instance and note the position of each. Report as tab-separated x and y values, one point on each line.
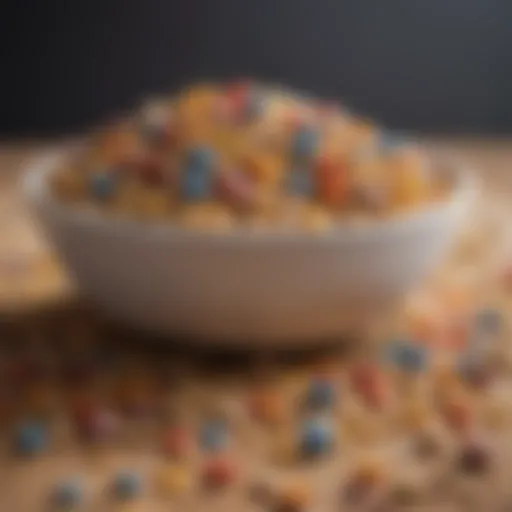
317	438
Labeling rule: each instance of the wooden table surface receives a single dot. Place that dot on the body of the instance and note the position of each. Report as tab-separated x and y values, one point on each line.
22	247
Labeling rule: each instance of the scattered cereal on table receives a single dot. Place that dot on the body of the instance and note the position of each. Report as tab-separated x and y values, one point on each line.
214	435
172	480
68	495
176	442
127	485
317	438
31	438
322	394
219	471
475	458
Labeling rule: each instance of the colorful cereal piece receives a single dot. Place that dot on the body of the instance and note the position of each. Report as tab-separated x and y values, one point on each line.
31	439
458	416
97	424
127	485
410	177
172	480
369	382
267	406
474	458
176	442
332	182
474	372
408	357
103	185
214	436
237	189
300	182
317	438
322	394
219	472
305	143
489	321
68	494
197	178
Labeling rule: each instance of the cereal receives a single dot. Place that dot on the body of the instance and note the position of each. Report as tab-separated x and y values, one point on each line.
68	494
322	394
127	485
474	458
317	438
238	144
103	185
219	472
408	357
172	480
214	436
176	442
369	382
31	438
458	416
268	406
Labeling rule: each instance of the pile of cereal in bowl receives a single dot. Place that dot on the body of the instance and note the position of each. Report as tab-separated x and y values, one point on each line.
216	157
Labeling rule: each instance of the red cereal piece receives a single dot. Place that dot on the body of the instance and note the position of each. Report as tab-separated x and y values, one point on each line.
219	472
458	416
333	184
369	382
176	442
151	171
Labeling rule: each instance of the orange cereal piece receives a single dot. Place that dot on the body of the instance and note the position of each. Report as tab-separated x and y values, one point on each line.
410	185
369	382
458	416
120	145
333	183
268	406
265	168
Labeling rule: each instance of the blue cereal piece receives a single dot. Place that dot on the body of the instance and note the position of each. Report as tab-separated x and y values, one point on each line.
317	438
103	185
301	183
68	494
214	436
409	357
305	143
321	394
488	321
127	485
201	158
198	178
31	439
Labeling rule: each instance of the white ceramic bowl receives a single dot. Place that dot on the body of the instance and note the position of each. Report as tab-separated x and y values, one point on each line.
245	287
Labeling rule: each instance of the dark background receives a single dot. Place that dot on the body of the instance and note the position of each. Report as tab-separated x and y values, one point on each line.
428	65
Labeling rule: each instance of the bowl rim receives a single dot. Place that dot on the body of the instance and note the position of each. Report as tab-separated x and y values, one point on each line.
37	191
